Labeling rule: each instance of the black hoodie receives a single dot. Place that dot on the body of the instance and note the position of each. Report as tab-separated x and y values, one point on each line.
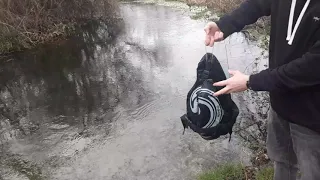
293	76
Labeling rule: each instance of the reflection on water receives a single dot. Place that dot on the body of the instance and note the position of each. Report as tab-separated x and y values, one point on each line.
106	104
88	76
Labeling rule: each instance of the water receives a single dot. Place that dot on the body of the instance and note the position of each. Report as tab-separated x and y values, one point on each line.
106	104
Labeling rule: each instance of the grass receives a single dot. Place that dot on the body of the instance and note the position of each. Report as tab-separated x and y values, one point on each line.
233	171
225	171
265	174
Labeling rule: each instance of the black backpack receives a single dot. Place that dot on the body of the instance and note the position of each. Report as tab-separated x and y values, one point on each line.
207	115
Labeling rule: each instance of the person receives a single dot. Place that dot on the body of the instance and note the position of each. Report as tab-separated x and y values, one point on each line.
292	80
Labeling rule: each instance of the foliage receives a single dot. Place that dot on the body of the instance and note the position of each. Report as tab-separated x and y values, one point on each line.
25	23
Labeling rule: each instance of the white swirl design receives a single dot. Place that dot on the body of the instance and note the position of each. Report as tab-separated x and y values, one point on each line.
211	102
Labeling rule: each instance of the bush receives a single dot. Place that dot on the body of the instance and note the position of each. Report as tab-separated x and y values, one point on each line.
24	23
226	171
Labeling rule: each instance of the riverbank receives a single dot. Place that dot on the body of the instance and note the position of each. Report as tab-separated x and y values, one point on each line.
25	25
258	31
53	21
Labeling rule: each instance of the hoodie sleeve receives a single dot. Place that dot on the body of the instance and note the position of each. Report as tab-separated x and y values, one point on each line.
299	73
247	13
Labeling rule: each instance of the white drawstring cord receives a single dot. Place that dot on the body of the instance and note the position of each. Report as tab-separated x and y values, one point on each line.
205	47
290	36
293	5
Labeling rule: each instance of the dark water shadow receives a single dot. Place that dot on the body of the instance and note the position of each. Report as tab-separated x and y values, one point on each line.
76	82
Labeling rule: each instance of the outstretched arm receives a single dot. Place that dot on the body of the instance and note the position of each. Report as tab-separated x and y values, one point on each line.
299	73
248	13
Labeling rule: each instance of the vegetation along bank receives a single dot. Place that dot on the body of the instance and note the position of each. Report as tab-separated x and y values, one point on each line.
25	24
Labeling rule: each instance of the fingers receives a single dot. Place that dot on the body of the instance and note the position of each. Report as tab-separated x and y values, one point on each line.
231	71
214	38
211	41
221	35
218	36
221	83
213	34
207	40
207	29
222	91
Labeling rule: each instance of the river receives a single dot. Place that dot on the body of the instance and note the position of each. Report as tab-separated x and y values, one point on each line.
106	105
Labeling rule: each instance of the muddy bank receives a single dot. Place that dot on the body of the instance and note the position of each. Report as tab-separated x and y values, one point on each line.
107	105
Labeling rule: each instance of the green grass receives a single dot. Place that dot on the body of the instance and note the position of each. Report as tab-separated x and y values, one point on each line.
226	171
265	174
235	172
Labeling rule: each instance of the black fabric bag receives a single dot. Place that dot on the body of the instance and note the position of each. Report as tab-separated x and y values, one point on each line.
207	115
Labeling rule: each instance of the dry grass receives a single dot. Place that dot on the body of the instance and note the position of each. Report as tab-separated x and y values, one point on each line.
24	23
224	6
219	6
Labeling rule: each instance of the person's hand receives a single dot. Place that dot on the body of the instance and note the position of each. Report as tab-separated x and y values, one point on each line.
237	83
213	34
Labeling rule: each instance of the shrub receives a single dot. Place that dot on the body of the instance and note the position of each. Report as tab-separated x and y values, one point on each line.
24	23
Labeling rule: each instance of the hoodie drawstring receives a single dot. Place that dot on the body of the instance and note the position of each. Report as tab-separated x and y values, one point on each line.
290	33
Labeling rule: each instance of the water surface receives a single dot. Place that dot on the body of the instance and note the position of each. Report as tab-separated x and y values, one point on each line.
106	104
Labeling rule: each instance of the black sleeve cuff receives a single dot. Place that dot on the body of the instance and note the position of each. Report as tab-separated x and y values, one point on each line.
225	26
257	82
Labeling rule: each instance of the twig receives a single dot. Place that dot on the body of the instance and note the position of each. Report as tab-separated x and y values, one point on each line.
3	23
